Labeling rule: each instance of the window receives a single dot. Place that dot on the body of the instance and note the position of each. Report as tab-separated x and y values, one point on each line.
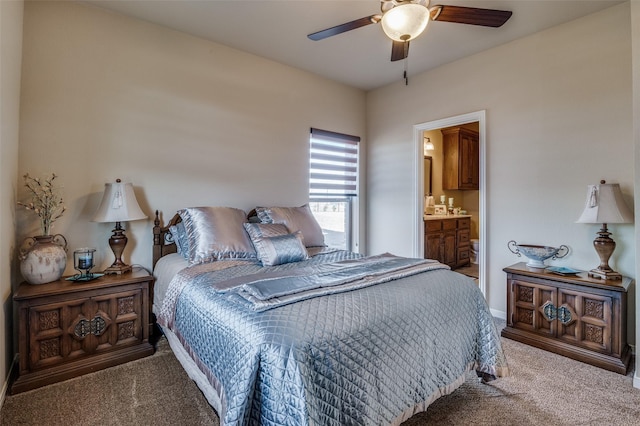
333	185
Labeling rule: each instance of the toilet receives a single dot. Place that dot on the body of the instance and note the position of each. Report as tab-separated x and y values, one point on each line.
475	251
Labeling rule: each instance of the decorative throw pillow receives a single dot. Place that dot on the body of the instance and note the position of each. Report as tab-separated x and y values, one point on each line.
180	238
215	233
296	219
280	249
257	230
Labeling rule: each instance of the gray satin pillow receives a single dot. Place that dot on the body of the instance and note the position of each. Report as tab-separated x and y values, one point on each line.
215	233
296	219
180	239
257	230
280	249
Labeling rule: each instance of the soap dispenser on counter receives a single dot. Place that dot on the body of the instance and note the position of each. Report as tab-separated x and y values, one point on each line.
429	205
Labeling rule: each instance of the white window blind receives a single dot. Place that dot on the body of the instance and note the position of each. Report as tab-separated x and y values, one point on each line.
333	165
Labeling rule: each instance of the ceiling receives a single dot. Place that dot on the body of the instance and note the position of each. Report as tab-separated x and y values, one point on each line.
277	30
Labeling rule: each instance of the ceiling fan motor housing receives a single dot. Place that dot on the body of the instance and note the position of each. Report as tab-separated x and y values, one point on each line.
387	5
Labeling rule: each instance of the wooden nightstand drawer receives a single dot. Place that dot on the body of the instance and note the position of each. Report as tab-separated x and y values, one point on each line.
66	329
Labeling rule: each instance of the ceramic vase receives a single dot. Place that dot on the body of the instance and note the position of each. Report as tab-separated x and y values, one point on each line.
44	259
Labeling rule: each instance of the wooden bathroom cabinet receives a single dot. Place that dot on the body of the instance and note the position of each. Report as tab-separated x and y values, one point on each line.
461	159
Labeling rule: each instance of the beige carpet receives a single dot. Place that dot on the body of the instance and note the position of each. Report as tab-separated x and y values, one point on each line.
149	391
543	389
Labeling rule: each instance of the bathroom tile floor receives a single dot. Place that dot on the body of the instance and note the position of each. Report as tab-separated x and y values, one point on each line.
471	270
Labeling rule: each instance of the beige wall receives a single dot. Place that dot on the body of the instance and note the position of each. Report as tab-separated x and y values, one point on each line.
188	121
10	53
559	116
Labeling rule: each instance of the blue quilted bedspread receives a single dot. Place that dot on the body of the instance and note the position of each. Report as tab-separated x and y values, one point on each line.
374	355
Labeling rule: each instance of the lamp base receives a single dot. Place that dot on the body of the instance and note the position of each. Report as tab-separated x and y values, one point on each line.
118	242
605	275
604	246
117	269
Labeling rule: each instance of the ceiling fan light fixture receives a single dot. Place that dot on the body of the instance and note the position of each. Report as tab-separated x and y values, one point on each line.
405	21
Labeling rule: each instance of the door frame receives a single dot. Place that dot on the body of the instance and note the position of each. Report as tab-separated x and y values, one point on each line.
418	157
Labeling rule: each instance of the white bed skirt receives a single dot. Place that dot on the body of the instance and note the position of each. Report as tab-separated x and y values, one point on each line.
194	372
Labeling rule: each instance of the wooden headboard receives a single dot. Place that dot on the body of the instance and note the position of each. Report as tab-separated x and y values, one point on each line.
163	243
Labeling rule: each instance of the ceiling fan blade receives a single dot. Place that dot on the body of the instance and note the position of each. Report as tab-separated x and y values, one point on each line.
470	15
348	26
399	50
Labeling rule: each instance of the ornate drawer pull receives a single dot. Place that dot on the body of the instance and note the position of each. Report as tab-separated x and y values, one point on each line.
96	326
549	311
562	314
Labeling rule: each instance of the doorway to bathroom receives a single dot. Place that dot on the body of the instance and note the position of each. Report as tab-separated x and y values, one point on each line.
429	176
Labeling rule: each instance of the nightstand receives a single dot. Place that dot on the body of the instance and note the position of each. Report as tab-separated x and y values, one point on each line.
576	316
66	329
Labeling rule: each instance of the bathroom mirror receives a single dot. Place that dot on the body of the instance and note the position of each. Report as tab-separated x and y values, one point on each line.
428	174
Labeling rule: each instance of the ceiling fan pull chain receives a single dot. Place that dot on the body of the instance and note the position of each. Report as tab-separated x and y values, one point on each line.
406	68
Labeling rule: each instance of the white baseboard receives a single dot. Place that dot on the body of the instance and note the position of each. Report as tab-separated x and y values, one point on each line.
5	386
499	314
636	380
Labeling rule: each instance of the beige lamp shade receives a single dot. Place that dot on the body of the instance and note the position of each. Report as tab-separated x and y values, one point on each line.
118	204
605	204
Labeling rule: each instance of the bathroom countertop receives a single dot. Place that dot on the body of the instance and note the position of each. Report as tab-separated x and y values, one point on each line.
444	216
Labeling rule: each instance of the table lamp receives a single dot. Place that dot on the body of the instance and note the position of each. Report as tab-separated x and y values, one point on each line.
605	204
118	204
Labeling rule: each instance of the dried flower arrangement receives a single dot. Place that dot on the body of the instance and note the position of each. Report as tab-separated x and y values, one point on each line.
46	201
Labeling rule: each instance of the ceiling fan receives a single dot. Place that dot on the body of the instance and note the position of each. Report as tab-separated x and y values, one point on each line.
404	20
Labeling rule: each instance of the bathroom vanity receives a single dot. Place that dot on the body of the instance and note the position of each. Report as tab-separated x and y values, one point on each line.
447	239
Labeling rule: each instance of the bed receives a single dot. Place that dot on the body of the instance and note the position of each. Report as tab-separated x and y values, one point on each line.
277	329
